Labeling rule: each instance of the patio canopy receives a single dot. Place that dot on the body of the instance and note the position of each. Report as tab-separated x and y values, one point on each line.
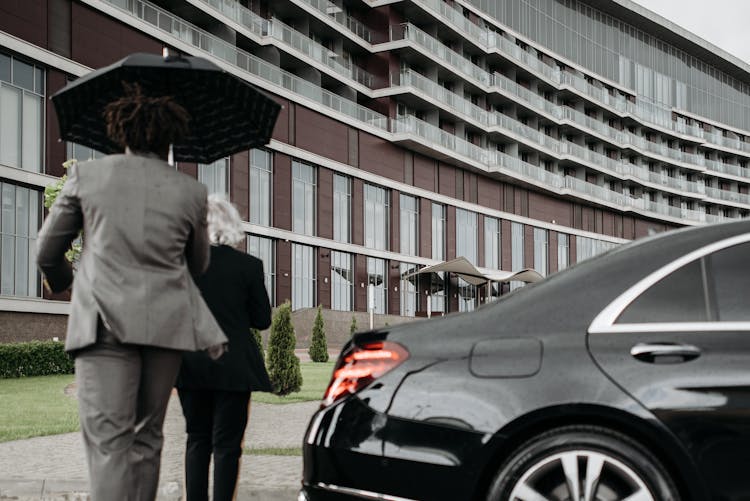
464	269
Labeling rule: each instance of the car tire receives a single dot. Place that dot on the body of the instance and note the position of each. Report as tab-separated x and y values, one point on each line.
601	464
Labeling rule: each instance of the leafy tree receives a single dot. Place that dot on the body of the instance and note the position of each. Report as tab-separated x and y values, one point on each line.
318	346
353	326
283	364
259	342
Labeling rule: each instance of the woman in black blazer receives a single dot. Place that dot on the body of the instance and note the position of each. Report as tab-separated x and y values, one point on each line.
215	394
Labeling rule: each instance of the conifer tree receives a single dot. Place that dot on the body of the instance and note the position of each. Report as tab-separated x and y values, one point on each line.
259	342
353	326
283	364
318	346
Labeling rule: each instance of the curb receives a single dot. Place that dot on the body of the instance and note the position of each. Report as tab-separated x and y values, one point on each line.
19	489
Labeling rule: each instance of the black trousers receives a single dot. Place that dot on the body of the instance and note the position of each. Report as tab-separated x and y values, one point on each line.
215	422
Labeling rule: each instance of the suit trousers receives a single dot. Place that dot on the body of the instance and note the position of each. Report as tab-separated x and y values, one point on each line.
123	392
215	422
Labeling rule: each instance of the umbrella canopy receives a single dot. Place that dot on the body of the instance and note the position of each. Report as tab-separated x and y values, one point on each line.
464	269
227	114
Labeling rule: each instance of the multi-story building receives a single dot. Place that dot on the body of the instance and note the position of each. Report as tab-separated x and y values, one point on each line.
516	133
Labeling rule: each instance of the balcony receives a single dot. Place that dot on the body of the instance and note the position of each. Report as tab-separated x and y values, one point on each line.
728	196
504	124
437	50
205	44
289	38
494	161
651	113
334	12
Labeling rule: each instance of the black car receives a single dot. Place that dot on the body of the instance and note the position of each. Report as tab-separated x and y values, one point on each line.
625	377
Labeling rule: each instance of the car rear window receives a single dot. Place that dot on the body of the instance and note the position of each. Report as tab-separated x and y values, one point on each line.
678	297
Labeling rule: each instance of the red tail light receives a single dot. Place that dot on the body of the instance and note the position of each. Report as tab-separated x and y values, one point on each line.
360	366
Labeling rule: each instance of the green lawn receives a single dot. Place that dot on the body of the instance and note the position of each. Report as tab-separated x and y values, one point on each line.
315	378
36	406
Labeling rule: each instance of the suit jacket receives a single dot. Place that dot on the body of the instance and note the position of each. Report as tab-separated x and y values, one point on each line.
234	290
144	227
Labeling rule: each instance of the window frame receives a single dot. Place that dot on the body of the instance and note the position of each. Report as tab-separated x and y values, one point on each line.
605	321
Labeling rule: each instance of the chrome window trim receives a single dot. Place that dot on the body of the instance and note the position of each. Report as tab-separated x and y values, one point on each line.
675	327
360	493
604	322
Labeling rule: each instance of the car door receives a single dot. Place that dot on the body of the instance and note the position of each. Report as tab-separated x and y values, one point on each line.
679	342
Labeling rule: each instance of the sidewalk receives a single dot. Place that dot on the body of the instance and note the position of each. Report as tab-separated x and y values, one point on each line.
54	468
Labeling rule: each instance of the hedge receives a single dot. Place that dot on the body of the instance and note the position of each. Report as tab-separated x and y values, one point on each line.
35	358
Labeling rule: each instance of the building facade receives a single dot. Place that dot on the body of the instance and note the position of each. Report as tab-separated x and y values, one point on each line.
518	134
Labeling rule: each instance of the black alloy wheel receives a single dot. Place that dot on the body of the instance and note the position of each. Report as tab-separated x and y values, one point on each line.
582	463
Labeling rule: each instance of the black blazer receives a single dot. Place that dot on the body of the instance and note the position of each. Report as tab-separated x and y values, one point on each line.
234	290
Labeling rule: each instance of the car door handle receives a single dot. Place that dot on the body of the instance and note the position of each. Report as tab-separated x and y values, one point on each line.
665	353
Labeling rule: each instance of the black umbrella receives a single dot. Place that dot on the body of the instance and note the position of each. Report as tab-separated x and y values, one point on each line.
227	114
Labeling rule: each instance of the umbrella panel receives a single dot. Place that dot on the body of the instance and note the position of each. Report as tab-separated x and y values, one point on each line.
227	114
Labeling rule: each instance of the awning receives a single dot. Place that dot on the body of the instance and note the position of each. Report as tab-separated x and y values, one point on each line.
467	271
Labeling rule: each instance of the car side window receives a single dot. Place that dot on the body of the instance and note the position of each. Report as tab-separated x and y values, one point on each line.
729	282
678	297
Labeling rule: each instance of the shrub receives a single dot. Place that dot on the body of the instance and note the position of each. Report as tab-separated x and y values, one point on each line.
318	346
283	364
353	326
258	342
35	358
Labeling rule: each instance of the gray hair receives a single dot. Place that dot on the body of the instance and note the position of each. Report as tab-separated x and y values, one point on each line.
224	222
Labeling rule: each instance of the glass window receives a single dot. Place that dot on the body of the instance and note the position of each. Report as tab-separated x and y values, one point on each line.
377	277
678	297
263	249
438	232
377	213
303	276
303	198
409	289
342	207
540	251
563	251
19	224
409	225
467	296
4	68
729	283
81	153
215	176
589	247
23	75
342	281
516	251
466	235
437	292
492	243
261	174
21	115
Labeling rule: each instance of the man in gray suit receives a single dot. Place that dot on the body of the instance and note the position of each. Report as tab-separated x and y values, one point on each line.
134	305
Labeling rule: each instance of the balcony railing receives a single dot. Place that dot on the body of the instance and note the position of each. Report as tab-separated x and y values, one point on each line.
496	161
435	48
503	123
279	31
213	46
318	52
210	45
650	112
731	196
337	14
